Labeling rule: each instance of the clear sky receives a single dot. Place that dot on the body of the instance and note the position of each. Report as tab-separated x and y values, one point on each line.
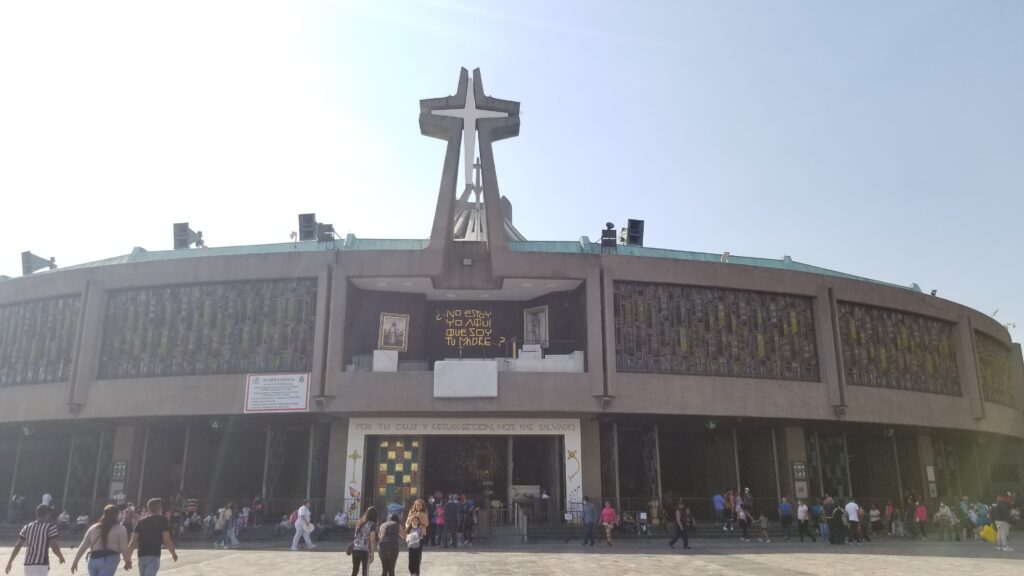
884	139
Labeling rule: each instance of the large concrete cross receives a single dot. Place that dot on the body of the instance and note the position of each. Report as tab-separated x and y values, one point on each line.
461	120
469	113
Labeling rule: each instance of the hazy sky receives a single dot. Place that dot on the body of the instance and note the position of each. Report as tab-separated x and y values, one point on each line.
884	139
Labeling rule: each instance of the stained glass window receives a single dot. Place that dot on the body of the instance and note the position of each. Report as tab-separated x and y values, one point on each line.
678	329
890	349
222	328
37	340
994	366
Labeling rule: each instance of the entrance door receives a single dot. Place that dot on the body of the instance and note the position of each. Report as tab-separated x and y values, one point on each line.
473	465
398	468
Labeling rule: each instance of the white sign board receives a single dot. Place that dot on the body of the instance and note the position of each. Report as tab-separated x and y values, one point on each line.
277	393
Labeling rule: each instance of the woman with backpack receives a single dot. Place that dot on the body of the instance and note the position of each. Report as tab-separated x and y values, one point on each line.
107	543
364	545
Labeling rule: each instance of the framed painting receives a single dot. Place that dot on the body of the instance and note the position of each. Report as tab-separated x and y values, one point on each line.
394	332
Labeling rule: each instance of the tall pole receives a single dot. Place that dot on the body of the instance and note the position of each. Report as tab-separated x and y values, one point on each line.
67	473
846	459
99	461
817	450
775	457
736	459
266	463
309	462
17	461
657	461
899	476
184	458
510	463
142	468
615	455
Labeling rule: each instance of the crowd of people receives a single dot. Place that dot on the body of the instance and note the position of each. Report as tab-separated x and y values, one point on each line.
847	522
450	522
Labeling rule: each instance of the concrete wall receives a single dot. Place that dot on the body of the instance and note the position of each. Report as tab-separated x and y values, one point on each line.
534	394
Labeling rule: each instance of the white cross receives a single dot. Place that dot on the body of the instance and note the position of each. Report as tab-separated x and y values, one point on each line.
469	114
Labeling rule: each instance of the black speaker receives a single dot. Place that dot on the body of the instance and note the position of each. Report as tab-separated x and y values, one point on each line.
324	232
30	263
608	236
635	232
307	227
181	239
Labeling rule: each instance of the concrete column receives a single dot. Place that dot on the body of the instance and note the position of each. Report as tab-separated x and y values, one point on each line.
967	365
590	437
337	484
336	332
792	446
608	322
926	458
77	350
320	337
124	443
90	342
775	461
830	357
595	332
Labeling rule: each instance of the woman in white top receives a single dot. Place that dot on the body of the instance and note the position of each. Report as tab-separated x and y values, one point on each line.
106	541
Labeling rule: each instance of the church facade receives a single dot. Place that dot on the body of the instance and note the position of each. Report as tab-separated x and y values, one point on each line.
358	370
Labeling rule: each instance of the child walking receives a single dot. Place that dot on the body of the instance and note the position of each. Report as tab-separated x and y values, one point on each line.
762	524
414	540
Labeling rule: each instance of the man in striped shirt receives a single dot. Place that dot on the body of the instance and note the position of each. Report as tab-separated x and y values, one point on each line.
38	538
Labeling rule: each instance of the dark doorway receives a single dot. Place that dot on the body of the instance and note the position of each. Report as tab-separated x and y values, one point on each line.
473	465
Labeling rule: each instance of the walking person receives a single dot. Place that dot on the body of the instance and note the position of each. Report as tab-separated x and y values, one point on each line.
589	519
743	518
718	501
730	510
107	543
803	518
227	521
921	519
786	518
440	536
837	526
415	538
680	526
152	532
364	543
853	519
451	521
1002	513
608	519
762	524
38	538
390	534
303	527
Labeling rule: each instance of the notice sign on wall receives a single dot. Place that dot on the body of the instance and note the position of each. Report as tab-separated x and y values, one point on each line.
277	393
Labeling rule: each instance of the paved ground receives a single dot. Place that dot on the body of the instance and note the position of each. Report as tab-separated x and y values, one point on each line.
716	558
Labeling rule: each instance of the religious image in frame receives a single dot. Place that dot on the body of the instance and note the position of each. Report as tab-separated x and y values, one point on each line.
394	332
535	326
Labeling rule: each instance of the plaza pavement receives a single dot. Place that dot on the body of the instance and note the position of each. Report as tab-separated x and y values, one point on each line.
716	557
